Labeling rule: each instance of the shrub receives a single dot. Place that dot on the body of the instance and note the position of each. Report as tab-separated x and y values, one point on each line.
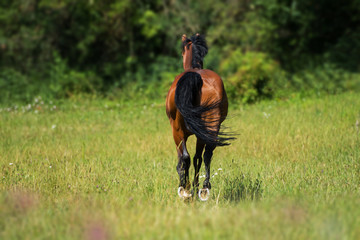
251	76
152	82
15	87
58	82
325	78
65	82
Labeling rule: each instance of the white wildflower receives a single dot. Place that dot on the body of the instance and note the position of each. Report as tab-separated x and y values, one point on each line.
10	163
267	115
53	126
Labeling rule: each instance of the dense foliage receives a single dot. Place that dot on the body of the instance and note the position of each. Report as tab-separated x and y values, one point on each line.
118	48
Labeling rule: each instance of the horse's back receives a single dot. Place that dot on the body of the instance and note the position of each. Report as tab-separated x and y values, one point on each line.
212	91
212	82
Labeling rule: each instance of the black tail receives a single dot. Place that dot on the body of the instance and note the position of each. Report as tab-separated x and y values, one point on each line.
188	90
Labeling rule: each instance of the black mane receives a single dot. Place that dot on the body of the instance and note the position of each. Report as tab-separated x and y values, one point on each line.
199	49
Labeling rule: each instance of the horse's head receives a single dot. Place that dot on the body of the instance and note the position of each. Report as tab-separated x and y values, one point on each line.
186	52
194	50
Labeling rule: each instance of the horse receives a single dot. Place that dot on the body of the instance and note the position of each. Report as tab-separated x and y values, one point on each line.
196	104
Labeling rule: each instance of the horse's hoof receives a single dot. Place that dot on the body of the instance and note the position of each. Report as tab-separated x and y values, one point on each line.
183	193
204	194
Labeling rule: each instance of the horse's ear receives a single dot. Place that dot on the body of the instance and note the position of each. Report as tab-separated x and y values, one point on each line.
183	38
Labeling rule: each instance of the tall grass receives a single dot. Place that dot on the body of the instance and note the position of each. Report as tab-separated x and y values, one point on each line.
96	169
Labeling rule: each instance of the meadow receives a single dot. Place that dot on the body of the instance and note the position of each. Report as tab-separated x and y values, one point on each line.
101	169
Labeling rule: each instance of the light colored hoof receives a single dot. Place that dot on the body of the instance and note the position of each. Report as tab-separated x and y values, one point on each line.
204	194
183	193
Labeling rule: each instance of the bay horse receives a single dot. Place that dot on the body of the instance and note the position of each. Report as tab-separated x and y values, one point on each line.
196	104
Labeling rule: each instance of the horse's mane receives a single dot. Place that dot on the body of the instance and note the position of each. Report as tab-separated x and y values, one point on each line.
199	49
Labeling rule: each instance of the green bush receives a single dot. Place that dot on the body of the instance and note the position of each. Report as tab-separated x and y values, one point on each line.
15	87
152	82
326	78
251	76
58	82
65	82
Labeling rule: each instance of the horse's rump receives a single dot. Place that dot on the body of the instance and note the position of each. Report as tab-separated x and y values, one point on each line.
202	115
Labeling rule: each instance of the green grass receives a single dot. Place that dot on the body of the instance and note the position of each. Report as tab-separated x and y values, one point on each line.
95	169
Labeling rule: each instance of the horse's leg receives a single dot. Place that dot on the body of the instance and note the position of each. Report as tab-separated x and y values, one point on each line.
205	191
183	164
186	164
197	163
207	160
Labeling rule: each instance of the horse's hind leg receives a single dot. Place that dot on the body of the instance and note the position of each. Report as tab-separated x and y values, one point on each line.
197	163
205	191
209	149
186	165
183	169
183	165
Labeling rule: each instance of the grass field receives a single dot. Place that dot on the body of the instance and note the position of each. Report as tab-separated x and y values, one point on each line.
96	169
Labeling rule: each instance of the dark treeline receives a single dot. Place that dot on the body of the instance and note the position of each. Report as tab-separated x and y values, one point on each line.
262	48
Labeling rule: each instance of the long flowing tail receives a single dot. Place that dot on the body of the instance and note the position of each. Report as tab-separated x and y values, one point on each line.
199	119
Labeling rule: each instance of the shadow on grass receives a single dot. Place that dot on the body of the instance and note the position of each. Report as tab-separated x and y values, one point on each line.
242	188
